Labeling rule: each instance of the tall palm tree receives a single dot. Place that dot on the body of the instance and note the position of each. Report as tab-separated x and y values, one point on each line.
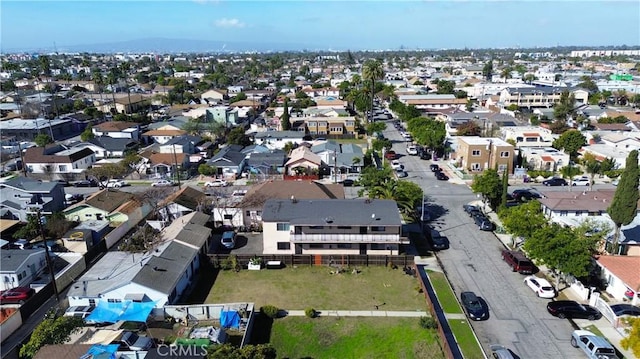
98	81
356	80
372	71
112	79
124	74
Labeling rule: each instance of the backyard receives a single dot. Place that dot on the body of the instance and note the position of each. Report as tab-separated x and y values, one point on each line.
302	287
371	337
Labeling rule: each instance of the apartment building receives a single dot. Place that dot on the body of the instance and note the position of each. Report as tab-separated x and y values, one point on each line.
540	96
476	154
334	126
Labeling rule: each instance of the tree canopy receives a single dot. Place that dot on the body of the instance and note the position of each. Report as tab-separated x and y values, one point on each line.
632	340
624	205
489	185
428	132
238	137
285	123
53	329
42	140
570	141
374	127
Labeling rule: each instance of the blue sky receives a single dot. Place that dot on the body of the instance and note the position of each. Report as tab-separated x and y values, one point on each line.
324	24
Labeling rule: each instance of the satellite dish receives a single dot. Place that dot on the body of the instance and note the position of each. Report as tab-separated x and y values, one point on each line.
373	216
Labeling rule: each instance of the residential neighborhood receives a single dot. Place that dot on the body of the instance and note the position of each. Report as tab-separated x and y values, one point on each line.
220	201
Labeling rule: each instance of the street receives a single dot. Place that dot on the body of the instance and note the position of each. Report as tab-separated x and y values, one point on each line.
518	319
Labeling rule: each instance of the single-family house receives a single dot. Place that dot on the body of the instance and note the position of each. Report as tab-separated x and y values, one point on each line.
186	200
132	103
21	194
277	140
19	267
214	96
266	163
544	158
223	115
108	204
54	159
166	164
622	277
229	161
118	129
340	158
109	147
331	226
28	130
527	136
163	136
303	161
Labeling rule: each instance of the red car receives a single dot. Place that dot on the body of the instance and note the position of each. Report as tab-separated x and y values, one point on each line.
16	295
390	155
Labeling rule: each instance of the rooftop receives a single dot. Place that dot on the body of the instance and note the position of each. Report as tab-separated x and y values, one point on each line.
624	267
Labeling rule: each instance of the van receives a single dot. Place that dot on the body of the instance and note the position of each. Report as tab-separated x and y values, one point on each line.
518	262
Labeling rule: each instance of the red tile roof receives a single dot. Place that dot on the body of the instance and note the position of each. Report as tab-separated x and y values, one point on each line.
627	268
547	158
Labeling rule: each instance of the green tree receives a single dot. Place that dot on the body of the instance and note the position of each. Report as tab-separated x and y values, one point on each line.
469	128
489	186
193	127
132	160
523	220
207	170
376	127
592	166
565	107
53	329
570	141
529	78
285	122
29	230
372	71
108	171
42	140
624	205
446	87
238	137
607	165
487	70
632	340
588	84
378	144
87	134
428	132
570	172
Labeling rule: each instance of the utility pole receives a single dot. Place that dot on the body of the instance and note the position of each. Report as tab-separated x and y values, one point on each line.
41	222
175	162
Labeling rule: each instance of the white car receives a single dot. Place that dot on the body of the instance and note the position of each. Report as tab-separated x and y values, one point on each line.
162	183
216	183
412	150
395	164
116	183
540	286
581	181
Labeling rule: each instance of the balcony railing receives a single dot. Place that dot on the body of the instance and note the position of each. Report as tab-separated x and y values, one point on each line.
346	238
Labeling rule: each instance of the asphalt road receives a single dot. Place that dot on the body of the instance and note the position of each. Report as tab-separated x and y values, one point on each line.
518	319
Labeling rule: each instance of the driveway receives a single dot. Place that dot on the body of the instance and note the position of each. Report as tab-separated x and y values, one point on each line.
518	319
246	243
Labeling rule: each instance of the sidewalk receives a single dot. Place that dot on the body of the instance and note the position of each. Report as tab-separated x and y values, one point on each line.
603	325
361	313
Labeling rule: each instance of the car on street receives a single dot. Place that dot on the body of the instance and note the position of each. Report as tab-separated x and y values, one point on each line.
85	183
572	309
470	209
216	183
553	182
401	173
435	168
228	239
395	164
162	183
439	242
390	155
581	181
500	352
625	309
483	223
73	198
348	182
424	155
595	347
540	286
412	150
116	183
525	194
518	261
615	182
17	295
440	176
473	307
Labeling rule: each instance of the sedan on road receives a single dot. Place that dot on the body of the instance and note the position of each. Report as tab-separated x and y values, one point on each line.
395	164
216	183
85	183
16	295
440	242
473	307
626	309
441	176
162	183
572	309
556	181
525	194
116	183
540	286
581	181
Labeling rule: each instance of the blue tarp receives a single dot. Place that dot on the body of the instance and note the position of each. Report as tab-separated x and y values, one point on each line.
230	319
100	351
127	310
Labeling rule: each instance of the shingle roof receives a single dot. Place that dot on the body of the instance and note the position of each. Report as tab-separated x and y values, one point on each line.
162	273
347	212
188	197
167	158
115	126
108	199
31	185
12	259
227	157
62	351
194	235
112	143
259	194
37	155
624	267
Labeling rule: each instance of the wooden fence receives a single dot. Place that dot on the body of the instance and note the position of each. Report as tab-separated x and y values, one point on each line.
320	259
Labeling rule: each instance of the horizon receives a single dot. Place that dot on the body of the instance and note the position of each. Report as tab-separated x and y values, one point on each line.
315	25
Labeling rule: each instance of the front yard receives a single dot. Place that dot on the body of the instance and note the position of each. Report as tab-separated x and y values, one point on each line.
299	288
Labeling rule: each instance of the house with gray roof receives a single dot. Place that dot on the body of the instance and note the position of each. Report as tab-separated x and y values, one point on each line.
19	267
340	157
109	147
266	163
331	226
21	194
276	140
28	130
229	161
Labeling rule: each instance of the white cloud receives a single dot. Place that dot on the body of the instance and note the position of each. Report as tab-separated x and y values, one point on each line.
224	22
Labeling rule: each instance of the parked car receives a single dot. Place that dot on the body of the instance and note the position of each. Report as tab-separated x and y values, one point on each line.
216	183
395	164
390	155
412	151
572	309
228	239
594	347
439	242
581	181
402	174
424	155
116	183
435	168
540	286
162	183
500	352
525	195
130	341
518	261
471	209
473	307
626	309
86	183
556	181
441	176
483	223
17	295
73	198
348	182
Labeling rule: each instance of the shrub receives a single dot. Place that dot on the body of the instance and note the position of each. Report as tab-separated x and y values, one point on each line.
229	263
169	339
270	311
428	323
310	313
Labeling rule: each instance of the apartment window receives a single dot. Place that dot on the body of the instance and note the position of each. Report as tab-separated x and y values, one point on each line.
247	213
344	245
283	246
62	168
564	213
475	153
228	216
377	246
502	168
475	167
504	154
282	227
531	139
336	129
92	302
377	229
316	246
578	213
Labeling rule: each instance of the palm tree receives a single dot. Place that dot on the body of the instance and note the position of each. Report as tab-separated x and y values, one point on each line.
98	81
356	80
506	73
124	74
112	79
372	71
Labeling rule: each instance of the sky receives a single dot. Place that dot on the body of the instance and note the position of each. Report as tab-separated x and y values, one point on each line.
323	24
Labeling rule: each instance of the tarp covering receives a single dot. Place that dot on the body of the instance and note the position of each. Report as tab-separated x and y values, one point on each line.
100	351
196	342
230	319
126	310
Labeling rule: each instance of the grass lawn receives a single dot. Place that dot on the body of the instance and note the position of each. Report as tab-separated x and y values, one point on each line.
371	337
303	287
466	340
593	329
444	293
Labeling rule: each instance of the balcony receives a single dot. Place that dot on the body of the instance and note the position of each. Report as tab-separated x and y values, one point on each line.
345	238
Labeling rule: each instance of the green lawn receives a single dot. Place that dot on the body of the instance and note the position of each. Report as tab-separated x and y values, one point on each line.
332	337
466	340
443	291
593	329
298	288
357	141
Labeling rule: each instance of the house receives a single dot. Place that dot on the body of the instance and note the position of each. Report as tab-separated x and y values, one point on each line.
186	200
57	159
162	276
255	198
472	71
166	164
622	141
28	130
19	194
331	226
303	161
118	129
432	101
324	112
332	126
330	102
223	115
19	267
163	136
132	103
214	96
108	204
476	154
276	140
544	158
109	147
340	158
602	151
528	136
611	127
540	96
266	163
190	230
229	161
182	144
622	277
576	204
